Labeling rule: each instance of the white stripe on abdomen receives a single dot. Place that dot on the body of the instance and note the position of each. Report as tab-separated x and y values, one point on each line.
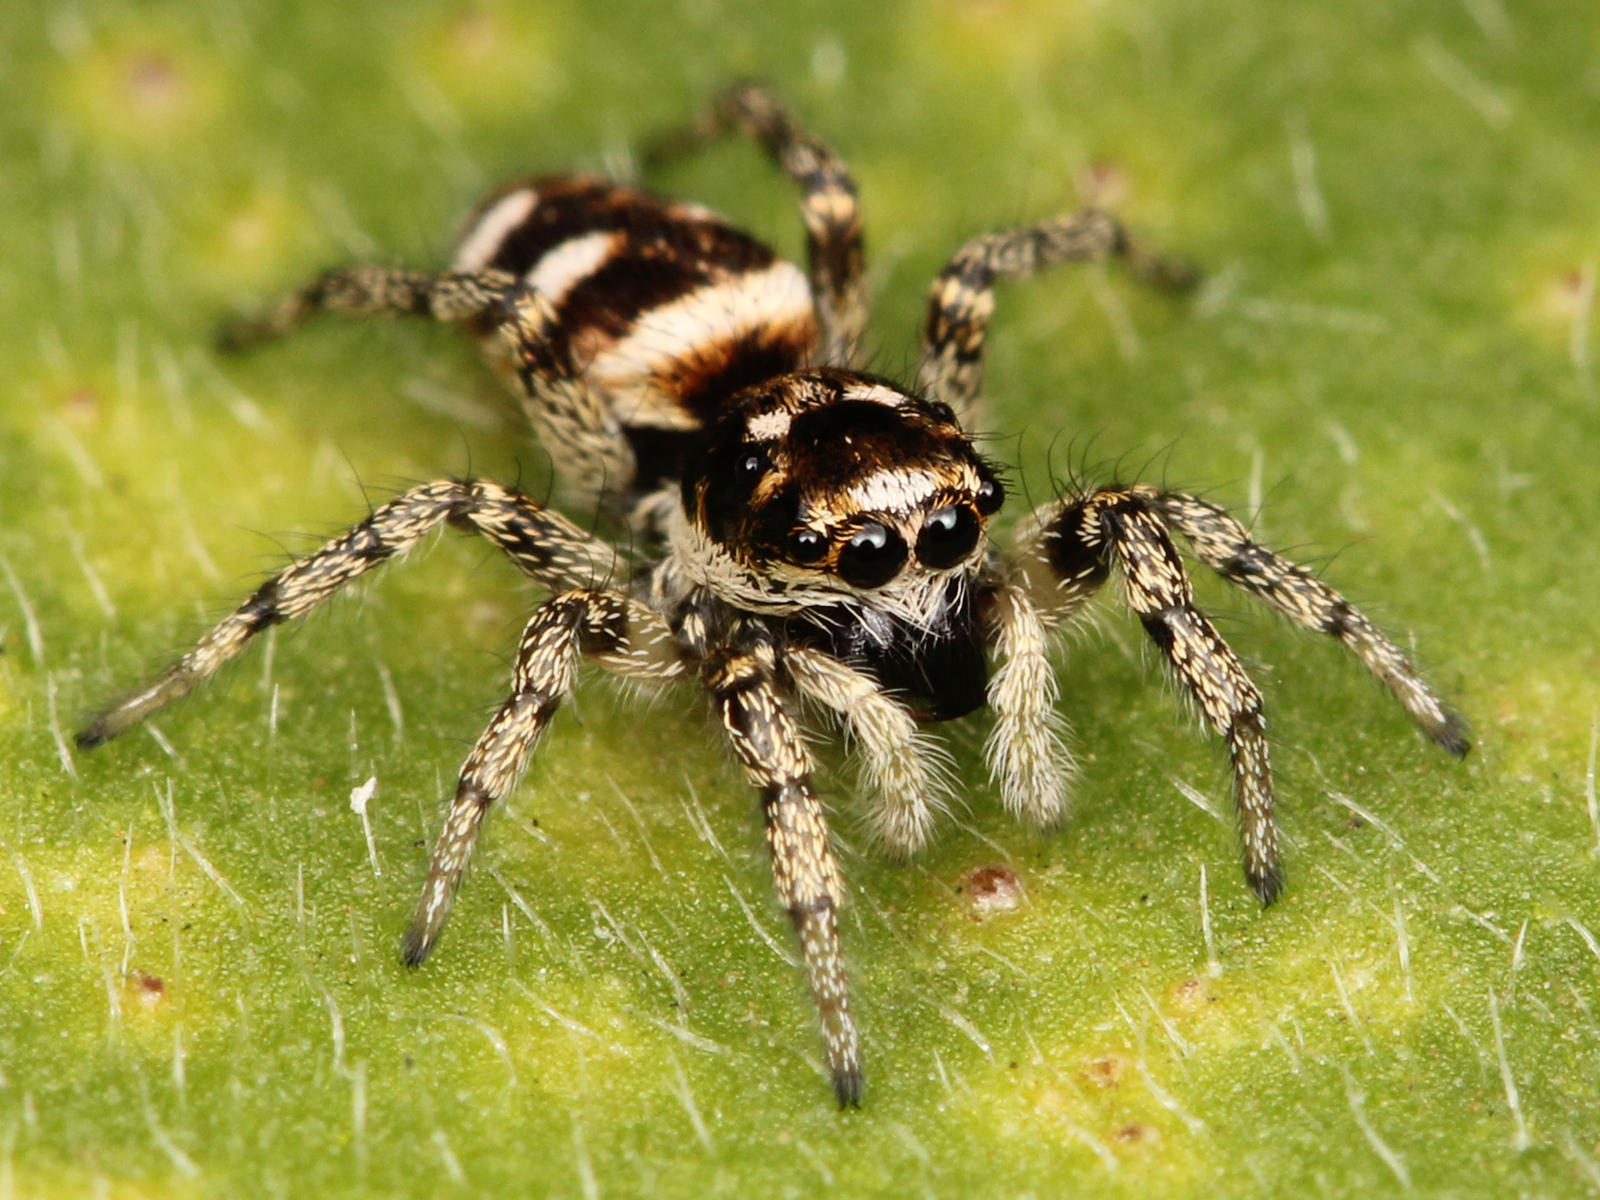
484	239
565	266
775	298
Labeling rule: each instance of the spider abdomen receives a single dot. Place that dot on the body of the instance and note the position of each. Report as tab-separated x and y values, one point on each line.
661	310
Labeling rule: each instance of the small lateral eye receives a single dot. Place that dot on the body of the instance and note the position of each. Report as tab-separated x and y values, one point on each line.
872	557
942	412
807	545
947	537
990	496
751	465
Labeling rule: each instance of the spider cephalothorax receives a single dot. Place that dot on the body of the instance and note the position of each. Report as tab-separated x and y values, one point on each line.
801	531
827	487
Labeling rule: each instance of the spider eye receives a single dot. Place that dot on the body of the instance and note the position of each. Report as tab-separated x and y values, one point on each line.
751	465
807	545
990	496
947	537
872	556
942	412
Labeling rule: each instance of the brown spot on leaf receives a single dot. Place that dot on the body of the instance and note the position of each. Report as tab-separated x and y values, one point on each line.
154	83
1565	294
992	889
474	36
81	406
1135	1133
151	859
1192	995
1104	1072
1102	184
151	989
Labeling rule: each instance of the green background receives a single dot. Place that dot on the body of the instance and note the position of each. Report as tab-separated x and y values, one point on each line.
1390	366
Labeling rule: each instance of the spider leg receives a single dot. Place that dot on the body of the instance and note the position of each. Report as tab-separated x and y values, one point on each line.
583	438
1078	542
773	752
623	636
899	762
371	291
961	300
1225	546
544	544
1025	750
828	205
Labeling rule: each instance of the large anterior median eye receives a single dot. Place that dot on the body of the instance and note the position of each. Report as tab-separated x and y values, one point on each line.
947	537
872	556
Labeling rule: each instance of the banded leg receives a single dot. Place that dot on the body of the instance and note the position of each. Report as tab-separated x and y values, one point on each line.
373	291
961	300
900	765
622	635
544	544
773	753
1025	750
828	205
1225	546
1089	534
579	432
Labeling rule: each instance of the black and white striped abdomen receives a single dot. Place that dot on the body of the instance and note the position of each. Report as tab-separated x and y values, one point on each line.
662	309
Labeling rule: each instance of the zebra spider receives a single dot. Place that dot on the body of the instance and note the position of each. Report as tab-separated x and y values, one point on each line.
799	530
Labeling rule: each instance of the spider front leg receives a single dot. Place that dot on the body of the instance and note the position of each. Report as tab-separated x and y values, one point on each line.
1071	554
544	544
621	634
1025	749
961	300
828	205
773	752
375	291
900	764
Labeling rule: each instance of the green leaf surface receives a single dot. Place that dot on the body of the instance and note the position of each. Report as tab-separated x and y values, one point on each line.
1390	367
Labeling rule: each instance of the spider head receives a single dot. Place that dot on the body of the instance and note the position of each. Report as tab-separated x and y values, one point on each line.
829	484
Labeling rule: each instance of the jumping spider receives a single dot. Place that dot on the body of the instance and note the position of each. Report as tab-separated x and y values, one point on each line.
799	530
